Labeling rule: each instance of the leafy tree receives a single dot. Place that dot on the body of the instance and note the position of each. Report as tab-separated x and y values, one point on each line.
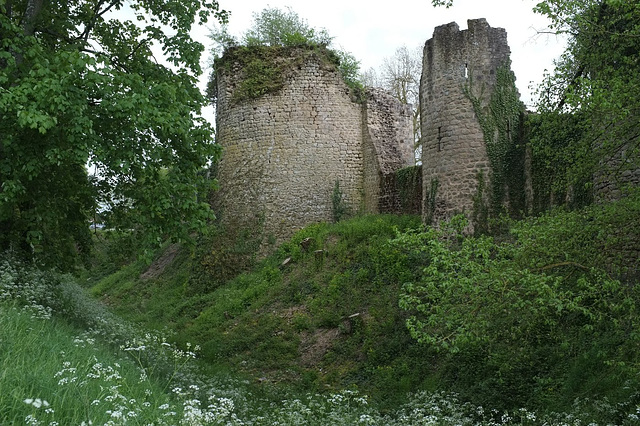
79	86
349	68
598	80
276	27
271	27
518	318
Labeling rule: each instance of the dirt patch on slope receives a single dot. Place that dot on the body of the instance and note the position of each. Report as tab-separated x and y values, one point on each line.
314	346
158	266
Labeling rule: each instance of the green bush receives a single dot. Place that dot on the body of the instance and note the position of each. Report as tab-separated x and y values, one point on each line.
516	319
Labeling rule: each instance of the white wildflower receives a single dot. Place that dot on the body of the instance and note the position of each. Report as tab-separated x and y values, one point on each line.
31	420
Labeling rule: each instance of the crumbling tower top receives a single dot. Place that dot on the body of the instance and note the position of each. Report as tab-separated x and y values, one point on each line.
457	65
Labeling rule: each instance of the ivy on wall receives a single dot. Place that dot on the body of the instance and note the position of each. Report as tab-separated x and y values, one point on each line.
556	178
480	213
409	185
262	69
430	202
339	208
500	121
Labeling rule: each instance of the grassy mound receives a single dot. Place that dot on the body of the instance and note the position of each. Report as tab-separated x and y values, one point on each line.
544	318
320	313
323	312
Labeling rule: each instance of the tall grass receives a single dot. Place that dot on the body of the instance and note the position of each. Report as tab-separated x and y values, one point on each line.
53	375
66	361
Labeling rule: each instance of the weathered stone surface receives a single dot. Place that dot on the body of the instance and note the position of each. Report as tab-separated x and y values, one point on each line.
388	147
453	148
283	152
610	184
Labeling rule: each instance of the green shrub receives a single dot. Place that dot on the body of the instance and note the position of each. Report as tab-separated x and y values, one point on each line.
339	208
516	318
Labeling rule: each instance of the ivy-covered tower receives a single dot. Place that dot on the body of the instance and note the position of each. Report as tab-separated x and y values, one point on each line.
459	78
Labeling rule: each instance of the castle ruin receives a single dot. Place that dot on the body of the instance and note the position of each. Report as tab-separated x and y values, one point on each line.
456	65
284	150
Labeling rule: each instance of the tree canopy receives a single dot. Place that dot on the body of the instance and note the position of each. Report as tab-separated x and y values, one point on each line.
597	80
80	86
271	27
277	27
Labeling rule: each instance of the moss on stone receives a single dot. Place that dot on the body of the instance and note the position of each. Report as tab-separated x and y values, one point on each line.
264	69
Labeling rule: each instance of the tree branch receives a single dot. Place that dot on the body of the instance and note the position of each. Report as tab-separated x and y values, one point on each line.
97	13
574	81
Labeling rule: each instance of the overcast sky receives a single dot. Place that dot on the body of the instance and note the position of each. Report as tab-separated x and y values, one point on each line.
373	32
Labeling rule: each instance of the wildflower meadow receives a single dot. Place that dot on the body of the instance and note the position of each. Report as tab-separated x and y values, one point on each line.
65	360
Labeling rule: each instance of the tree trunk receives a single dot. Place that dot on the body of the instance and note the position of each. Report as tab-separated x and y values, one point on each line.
30	16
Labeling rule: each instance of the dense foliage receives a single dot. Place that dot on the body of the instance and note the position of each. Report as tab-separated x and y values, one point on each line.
526	316
533	319
144	379
276	27
270	27
598	81
79	85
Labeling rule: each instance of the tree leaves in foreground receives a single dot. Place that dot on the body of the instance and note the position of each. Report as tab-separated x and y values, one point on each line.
79	86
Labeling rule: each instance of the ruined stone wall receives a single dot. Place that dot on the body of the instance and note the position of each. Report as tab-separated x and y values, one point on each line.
388	147
284	151
616	176
453	143
289	137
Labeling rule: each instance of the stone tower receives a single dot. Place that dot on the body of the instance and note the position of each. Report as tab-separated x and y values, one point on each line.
284	151
456	64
